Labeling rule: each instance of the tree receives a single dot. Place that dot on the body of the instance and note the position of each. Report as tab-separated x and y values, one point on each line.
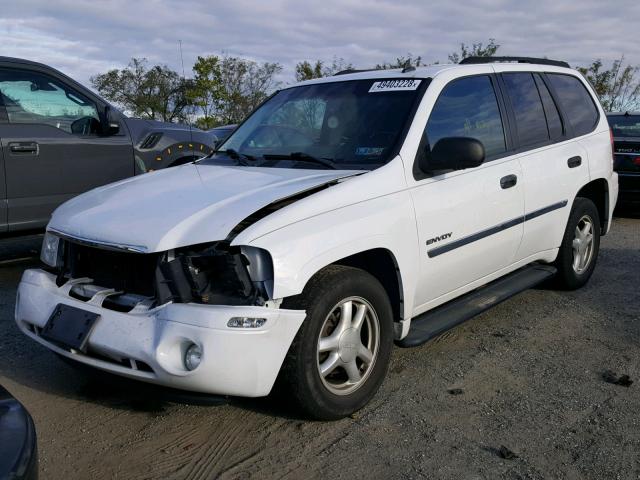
245	85
308	71
207	92
157	92
617	87
401	62
475	50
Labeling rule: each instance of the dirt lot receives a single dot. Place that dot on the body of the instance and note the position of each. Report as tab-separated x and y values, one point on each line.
528	376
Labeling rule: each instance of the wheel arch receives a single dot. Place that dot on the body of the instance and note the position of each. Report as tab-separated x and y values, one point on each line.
598	192
382	264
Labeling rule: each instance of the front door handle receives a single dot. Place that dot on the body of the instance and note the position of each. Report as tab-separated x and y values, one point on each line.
508	181
24	148
574	162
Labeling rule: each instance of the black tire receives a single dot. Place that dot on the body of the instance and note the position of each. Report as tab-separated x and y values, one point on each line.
300	377
568	278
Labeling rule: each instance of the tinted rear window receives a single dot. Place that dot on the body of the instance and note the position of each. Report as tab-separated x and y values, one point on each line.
625	125
527	107
576	102
554	122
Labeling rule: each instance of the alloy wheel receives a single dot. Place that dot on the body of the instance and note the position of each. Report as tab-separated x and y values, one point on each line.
583	244
348	345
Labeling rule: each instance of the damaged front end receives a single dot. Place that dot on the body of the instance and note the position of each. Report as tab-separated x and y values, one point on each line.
216	274
213	273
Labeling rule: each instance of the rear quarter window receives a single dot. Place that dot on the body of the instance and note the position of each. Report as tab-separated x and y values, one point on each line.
576	102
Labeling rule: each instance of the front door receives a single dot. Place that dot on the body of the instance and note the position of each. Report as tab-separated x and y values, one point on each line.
52	146
469	221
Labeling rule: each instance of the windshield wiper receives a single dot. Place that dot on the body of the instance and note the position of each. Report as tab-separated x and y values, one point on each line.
304	157
235	155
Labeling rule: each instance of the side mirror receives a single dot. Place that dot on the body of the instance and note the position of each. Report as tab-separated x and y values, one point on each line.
108	127
113	128
453	153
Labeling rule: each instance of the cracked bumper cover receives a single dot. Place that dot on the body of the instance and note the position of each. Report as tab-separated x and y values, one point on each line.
235	361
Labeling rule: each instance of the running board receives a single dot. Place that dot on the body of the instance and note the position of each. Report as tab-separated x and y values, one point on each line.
434	322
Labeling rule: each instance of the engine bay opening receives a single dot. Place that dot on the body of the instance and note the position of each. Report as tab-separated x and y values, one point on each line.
212	273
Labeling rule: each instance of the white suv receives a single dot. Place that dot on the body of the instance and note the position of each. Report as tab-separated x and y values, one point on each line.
345	213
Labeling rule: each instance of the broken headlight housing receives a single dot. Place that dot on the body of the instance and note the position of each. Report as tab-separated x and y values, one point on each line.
51	251
217	274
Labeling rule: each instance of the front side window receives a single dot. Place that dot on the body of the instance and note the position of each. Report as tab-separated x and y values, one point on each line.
31	97
468	107
576	102
345	125
527	108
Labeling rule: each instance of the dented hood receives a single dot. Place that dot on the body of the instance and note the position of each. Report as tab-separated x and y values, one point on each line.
180	206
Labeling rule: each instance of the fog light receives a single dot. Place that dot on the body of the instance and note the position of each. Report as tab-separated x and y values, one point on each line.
192	357
246	322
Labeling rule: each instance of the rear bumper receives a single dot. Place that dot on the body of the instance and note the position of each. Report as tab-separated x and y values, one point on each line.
150	345
629	184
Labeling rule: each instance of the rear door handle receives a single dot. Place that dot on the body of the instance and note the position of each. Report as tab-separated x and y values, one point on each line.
574	162
24	147
508	181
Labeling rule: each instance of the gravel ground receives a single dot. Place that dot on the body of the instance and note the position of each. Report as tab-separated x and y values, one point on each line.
520	392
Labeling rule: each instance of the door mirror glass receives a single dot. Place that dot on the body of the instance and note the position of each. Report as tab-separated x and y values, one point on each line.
113	128
109	127
453	153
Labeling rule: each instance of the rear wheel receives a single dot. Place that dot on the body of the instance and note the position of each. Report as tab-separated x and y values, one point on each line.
340	355
580	246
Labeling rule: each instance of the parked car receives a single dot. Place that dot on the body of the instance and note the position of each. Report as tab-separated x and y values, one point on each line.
626	139
222	132
59	139
343	214
18	446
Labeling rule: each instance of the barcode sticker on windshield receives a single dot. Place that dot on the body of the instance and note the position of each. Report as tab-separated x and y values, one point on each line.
394	85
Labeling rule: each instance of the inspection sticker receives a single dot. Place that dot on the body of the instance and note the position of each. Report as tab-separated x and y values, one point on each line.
369	150
394	85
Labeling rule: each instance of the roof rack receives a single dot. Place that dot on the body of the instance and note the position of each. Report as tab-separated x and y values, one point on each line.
351	70
539	61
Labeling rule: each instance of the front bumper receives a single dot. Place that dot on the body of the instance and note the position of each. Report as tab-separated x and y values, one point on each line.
150	345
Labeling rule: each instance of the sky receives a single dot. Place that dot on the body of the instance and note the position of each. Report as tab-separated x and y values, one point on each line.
83	38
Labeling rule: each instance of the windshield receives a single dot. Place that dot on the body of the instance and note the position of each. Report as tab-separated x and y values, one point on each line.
625	125
344	125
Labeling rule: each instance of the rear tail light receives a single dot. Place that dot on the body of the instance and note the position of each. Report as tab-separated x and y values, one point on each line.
636	161
613	155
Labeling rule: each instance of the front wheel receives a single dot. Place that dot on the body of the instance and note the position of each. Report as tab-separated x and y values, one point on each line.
340	355
580	246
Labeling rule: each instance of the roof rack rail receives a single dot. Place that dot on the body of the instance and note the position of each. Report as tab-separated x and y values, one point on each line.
351	70
539	61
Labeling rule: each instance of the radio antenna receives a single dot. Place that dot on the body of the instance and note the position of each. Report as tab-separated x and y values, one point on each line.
184	80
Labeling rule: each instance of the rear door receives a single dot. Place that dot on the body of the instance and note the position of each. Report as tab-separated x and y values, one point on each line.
554	165
52	144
